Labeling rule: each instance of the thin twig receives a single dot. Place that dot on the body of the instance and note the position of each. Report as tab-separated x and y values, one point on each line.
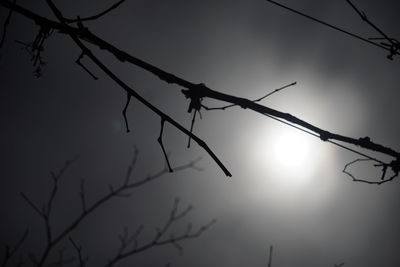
79	62
9	253
160	141
94	17
330	26
256	100
6	25
78	248
159	240
393	45
128	100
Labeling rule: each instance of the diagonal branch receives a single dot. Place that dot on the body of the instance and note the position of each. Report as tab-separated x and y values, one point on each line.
194	91
5	26
334	27
160	141
10	252
126	250
393	45
94	17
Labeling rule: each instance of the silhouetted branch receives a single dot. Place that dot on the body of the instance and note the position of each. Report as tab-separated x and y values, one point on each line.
94	17
159	238
160	141
256	100
128	100
392	44
10	252
78	61
122	190
197	92
366	40
78	248
5	25
383	179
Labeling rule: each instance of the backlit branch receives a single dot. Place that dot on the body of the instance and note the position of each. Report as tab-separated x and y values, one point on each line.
256	100
383	179
392	43
196	93
393	48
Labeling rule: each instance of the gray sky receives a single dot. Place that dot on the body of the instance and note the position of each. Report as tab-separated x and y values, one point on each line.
295	198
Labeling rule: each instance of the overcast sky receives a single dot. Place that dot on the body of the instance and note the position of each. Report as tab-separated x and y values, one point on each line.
295	197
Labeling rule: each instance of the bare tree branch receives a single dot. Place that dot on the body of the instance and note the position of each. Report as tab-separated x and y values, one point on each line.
97	16
256	100
363	16
79	62
121	190
383	178
159	238
5	25
10	252
78	248
195	92
392	44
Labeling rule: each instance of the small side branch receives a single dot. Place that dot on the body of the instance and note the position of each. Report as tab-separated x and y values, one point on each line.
254	101
78	61
128	100
332	26
160	141
383	179
10	252
130	246
5	25
78	248
97	16
392	44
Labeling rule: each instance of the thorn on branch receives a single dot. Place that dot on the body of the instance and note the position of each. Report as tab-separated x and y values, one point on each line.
162	145
128	99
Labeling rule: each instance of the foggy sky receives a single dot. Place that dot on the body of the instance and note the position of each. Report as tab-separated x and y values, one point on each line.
243	48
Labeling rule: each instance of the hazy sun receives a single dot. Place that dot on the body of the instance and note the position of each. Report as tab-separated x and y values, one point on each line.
290	151
287	156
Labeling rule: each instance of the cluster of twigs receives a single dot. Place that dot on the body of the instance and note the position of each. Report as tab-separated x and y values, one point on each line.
129	243
196	93
389	44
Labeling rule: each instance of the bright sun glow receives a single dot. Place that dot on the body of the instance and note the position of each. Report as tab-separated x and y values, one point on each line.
290	151
288	157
